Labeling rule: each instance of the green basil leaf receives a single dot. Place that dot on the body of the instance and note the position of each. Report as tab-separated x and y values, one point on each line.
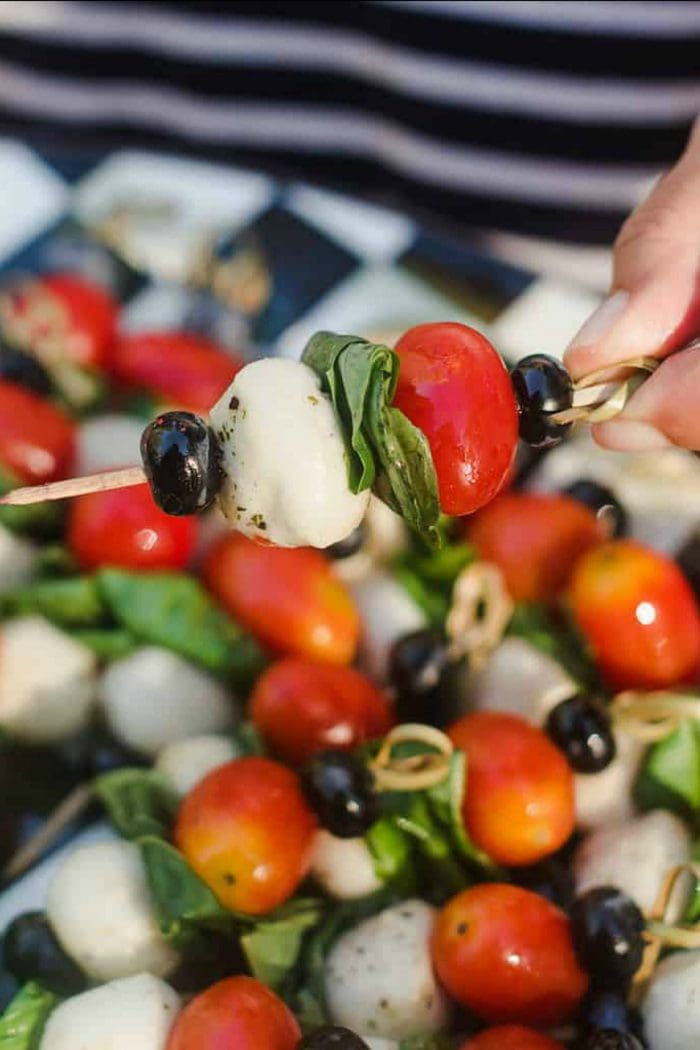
24	1019
54	559
248	740
71	602
559	639
138	802
42	520
390	849
274	946
173	610
670	776
446	800
430	578
107	643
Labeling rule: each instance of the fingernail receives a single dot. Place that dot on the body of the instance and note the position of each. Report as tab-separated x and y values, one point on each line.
629	435
601	320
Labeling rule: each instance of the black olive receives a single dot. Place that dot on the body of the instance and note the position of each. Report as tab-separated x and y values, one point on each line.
550	878
608	1011
182	461
542	387
332	1037
340	789
94	751
688	560
610	1039
32	953
607	930
349	546
20	367
9	986
581	728
603	502
418	664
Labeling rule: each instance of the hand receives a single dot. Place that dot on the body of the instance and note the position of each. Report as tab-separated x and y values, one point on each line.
653	310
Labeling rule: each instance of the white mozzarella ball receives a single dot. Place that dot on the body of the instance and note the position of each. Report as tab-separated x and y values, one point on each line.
135	1013
153	697
47	681
670	1008
107	442
100	909
284	458
343	867
379	978
634	855
185	762
519	679
17	560
606	797
388	611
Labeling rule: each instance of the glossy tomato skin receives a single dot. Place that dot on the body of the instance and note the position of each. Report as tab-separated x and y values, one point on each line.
289	598
519	806
456	389
638	614
302	706
185	370
535	539
124	527
247	830
506	954
511	1037
36	439
238	1013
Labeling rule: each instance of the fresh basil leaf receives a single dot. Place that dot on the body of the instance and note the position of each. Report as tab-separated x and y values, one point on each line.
138	802
390	849
273	947
54	559
107	643
430	577
71	602
558	638
692	914
42	520
173	610
24	1020
670	776
446	800
248	740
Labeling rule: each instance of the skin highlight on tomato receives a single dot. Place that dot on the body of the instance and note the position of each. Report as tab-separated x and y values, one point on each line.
247	831
455	388
638	614
519	806
535	540
511	1037
302	706
506	954
238	1013
289	598
125	528
36	439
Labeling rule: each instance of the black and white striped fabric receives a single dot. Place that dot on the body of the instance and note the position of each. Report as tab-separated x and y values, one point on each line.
542	118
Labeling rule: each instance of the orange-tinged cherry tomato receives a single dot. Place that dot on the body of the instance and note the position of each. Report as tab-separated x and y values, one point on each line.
506	953
36	439
288	598
125	528
183	369
519	804
456	389
247	830
535	540
638	614
303	706
238	1013
511	1037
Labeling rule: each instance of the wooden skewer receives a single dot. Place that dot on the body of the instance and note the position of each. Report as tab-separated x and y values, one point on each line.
109	479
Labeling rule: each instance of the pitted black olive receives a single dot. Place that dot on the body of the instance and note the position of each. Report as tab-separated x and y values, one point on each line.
349	546
32	953
332	1037
542	387
182	461
603	502
581	728
340	790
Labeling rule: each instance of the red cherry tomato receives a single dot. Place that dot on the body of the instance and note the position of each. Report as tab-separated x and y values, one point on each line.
638	614
183	369
519	803
247	831
511	1037
36	439
506	953
455	387
61	316
535	540
125	527
288	598
239	1013
302	706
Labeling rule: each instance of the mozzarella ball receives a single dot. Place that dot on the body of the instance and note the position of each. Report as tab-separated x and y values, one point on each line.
47	681
606	797
285	475
343	867
388	611
519	679
379	978
17	560
633	855
154	697
670	1008
107	442
135	1013
100	909
185	762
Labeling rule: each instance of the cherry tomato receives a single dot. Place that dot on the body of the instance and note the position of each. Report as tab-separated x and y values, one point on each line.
125	527
302	706
61	317
238	1013
638	614
36	439
535	540
519	803
247	831
506	953
288	598
454	386
185	370
511	1037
